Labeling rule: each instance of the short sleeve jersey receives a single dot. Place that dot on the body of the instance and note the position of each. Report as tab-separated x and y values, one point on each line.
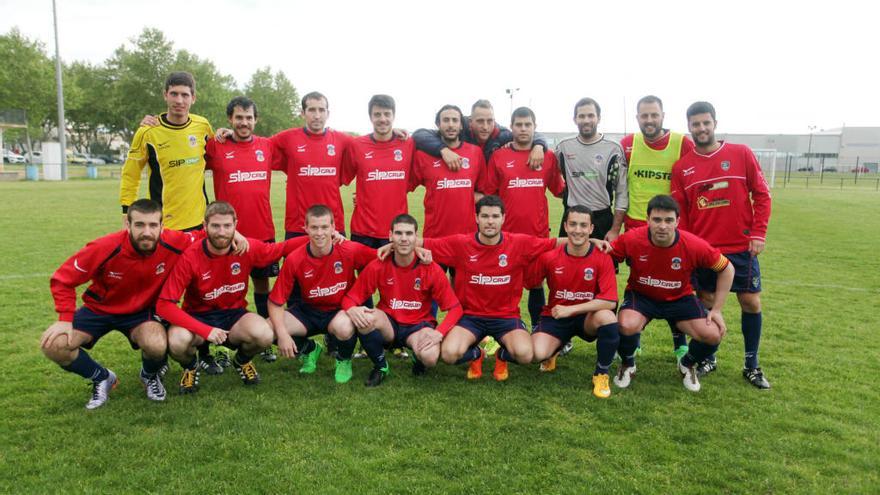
574	279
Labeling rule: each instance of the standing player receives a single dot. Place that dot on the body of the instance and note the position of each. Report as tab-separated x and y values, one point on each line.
523	190
583	297
242	168
725	200
403	316
215	282
662	259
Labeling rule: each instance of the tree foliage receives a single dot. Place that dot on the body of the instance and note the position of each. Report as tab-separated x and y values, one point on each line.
277	101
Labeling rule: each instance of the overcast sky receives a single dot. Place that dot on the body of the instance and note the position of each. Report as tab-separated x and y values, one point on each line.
768	66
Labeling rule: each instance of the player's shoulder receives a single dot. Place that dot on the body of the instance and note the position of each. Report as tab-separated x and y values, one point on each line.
109	242
627	141
177	240
199	120
567	142
691	240
551	255
615	146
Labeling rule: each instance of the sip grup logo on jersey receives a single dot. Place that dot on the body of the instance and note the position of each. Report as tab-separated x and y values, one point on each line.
239	176
386	175
193	141
260	157
517	183
418	284
331	150
398	156
160	268
502	260
235	268
725	165
226	289
588	274
453	184
313	171
405	305
465	163
337	267
676	263
184	161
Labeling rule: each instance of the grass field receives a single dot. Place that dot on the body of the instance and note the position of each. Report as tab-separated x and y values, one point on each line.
816	431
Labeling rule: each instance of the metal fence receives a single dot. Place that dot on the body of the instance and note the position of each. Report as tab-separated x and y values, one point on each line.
784	170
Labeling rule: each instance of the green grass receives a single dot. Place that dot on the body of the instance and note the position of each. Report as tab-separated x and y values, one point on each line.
816	431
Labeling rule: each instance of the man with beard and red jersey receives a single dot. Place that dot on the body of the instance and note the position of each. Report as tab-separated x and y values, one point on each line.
214	283
725	199
583	298
662	260
126	270
523	189
242	168
403	316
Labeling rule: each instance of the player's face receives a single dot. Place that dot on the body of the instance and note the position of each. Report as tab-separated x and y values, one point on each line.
489	221
320	230
179	100
587	121
403	238
144	230
316	114
220	230
662	225
243	122
650	119
578	227
450	125
523	130
702	127
482	123
382	119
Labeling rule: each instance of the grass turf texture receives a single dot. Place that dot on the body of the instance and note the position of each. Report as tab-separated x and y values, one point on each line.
815	431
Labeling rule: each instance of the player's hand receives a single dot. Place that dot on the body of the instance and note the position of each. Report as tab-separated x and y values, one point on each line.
602	245
354	199
715	316
286	346
337	238
239	243
384	251
56	329
430	338
424	255
536	157
559	311
149	121
756	247
452	159
217	336
222	135
400	133
125	221
611	235
361	316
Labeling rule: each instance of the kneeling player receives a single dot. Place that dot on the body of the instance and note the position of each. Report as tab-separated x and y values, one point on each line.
214	307
403	315
583	297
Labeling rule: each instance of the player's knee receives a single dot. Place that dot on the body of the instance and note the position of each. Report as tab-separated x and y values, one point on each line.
59	350
179	340
629	326
523	354
749	302
449	354
154	345
263	336
429	359
604	317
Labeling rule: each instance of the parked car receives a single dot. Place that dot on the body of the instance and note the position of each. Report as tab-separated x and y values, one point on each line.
860	170
112	158
10	156
805	169
830	169
94	160
76	159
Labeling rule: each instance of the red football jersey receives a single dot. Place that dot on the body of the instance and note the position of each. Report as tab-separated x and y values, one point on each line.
243	177
687	145
213	282
405	292
723	196
449	196
322	281
574	279
382	170
523	189
123	280
664	274
489	279
313	164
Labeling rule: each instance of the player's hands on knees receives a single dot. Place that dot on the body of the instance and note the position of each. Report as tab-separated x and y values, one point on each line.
716	317
217	336
239	243
383	251
149	121
54	330
756	247
222	135
452	159
286	345
424	255
430	339
361	316
536	157
559	311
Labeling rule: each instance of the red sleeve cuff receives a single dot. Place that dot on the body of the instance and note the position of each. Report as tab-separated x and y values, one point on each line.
65	316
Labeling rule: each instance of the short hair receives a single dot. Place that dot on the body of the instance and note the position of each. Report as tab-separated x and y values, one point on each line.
314	95
144	205
381	101
219	208
522	112
482	104
700	107
242	102
663	202
181	78
317	211
445	108
577	209
587	101
488	201
406	219
649	99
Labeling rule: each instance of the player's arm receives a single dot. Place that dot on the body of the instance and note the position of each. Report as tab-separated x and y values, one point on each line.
130	180
277	298
760	195
621	195
430	142
677	191
539	152
365	286
167	307
265	253
554	179
722	288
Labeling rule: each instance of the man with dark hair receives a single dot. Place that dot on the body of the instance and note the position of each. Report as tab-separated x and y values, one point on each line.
402	317
662	259
725	199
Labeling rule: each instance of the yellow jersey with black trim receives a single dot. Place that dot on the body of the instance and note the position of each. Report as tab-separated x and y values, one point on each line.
175	157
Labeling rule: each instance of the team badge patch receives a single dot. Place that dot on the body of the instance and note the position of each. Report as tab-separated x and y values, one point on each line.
193	141
418	284
598	159
236	268
331	150
588	274
337	267
160	268
260	157
676	263
756	282
502	260
398	156
725	165
465	163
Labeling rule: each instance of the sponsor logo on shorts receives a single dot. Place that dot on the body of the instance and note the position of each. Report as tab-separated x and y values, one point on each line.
331	150
235	268
337	267
502	260
567	295
239	176
386	175
160	268
312	171
407	305
453	184
660	284
516	182
676	263
588	274
480	279
226	289
260	157
328	291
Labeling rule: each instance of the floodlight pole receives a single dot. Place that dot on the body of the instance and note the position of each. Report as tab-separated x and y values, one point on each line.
62	128
511	92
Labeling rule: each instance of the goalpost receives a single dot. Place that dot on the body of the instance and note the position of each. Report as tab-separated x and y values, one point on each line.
767	158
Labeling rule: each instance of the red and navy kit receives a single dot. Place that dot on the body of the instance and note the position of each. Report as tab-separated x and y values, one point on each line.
322	281
523	189
124	281
687	145
242	177
574	279
382	169
406	292
489	279
664	273
210	282
449	196
313	164
723	197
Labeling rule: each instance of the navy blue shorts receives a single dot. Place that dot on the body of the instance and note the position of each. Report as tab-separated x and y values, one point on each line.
315	320
268	270
402	332
492	327
224	319
373	242
746	274
685	308
97	325
564	329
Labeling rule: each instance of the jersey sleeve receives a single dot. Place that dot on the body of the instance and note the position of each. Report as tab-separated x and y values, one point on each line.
687	145
708	256
364	286
416	178
555	182
130	180
77	270
442	292
428	141
760	193
491	180
444	250
265	253
279	158
210	154
349	165
619	250
173	289
619	183
535	273
362	255
533	247
482	175
607	279
284	283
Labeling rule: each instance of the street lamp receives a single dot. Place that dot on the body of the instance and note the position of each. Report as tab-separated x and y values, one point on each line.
511	92
810	146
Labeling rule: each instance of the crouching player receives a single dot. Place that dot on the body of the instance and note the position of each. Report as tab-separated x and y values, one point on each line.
661	260
215	282
583	297
403	316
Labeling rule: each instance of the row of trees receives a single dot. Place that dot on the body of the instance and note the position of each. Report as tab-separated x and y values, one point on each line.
108	100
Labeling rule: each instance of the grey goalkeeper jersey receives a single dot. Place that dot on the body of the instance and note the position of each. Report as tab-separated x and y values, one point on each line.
595	174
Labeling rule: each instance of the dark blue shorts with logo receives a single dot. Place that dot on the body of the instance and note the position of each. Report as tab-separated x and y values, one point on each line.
98	325
746	274
685	308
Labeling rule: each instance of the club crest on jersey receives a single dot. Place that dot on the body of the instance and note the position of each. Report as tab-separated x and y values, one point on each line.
502	260
398	156
725	165
235	268
193	141
418	284
598	159
588	274
337	267
465	163
160	268
260	157
676	263
331	150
